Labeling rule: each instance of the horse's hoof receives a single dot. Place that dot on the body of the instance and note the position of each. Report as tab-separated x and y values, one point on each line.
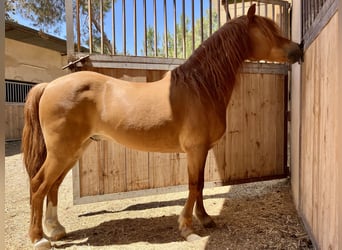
57	234
54	230
193	237
42	244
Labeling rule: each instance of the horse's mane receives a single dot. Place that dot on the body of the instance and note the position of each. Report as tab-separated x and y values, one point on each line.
212	67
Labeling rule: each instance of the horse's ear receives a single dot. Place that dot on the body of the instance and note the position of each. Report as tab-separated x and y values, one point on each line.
251	12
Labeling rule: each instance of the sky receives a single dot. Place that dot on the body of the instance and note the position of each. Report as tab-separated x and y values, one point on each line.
129	21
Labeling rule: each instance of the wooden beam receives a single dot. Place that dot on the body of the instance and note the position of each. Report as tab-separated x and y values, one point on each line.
157	63
2	121
339	136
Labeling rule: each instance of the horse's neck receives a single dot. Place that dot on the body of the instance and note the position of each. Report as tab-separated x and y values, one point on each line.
213	66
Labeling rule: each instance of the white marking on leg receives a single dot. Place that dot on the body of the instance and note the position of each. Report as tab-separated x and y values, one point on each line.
53	228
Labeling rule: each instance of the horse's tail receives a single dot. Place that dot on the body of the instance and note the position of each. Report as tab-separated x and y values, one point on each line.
33	145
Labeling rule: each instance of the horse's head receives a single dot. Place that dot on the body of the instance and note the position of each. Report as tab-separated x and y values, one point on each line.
267	43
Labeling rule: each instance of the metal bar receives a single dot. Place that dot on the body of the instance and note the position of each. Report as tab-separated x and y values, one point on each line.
145	29
201	14
311	9
235	9
135	26
193	24
124	26
219	13
70	28
281	14
273	12
243	7
175	29
101	27
210	18
113	28
78	27
303	18
155	28
183	29
227	11
166	45
287	22
90	27
266	14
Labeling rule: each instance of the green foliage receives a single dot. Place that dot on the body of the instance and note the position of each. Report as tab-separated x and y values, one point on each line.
189	35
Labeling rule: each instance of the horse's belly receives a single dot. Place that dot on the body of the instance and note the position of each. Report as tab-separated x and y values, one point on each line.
151	141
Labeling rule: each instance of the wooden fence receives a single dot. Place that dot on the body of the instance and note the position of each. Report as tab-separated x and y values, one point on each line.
254	146
14	120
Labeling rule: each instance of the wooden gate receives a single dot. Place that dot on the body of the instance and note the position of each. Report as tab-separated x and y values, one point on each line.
253	147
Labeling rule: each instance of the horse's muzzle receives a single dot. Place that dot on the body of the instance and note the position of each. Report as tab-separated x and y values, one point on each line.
295	52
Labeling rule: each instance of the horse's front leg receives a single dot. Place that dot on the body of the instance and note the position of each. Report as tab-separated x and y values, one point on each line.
196	162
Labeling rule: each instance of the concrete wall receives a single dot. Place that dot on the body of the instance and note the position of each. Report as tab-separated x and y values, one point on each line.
29	63
25	62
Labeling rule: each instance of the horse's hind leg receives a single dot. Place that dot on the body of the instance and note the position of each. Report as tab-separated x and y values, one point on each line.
41	184
53	228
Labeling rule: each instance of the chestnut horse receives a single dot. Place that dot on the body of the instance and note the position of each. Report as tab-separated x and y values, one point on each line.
183	112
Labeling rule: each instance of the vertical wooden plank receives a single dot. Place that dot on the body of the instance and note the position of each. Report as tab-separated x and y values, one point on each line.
216	162
114	168
89	175
338	138
180	165
235	130
161	173
137	171
307	134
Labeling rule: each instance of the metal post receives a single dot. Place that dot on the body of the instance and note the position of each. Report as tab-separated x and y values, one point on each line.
101	27
90	25
135	26
113	28
165	31
69	28
183	29
175	29
155	28
124	26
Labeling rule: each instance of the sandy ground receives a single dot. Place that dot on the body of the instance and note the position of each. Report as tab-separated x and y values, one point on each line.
249	216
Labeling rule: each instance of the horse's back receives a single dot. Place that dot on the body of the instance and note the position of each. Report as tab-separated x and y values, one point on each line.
138	115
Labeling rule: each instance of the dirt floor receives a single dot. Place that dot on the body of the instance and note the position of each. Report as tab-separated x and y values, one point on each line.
249	216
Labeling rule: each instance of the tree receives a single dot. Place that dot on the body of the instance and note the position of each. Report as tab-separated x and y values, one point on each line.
50	15
179	37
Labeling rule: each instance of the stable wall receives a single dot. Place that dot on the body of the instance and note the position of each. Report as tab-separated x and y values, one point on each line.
315	171
28	63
